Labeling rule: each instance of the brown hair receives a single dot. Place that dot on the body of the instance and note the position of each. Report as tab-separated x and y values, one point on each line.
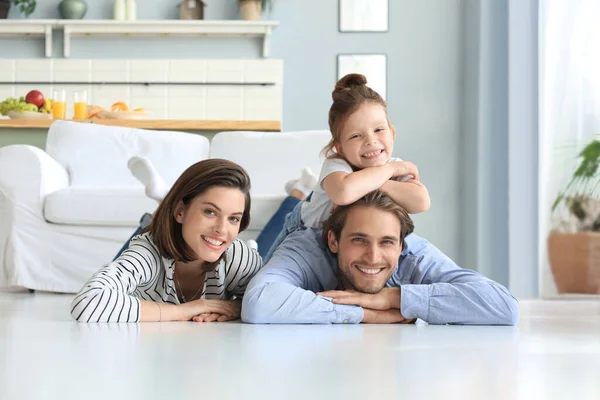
197	179
350	92
378	199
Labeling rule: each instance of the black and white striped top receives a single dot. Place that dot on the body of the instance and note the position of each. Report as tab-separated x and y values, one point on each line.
113	293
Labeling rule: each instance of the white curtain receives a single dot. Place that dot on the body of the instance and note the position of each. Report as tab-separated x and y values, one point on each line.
569	101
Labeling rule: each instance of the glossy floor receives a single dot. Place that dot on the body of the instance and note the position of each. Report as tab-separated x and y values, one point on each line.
554	353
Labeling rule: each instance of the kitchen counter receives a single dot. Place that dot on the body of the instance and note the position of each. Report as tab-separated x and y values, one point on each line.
34	132
199	125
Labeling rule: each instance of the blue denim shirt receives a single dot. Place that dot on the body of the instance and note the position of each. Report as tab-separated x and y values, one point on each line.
432	287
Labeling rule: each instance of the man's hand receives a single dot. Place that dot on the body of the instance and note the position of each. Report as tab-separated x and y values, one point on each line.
388	298
392	316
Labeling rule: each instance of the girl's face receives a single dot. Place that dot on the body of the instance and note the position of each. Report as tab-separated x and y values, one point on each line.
211	221
366	139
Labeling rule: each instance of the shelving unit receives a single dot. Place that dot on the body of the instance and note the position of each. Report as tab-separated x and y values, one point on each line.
29	28
111	28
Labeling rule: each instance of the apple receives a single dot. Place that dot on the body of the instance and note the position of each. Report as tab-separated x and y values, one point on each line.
35	97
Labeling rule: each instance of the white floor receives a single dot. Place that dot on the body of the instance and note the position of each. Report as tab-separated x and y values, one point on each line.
554	353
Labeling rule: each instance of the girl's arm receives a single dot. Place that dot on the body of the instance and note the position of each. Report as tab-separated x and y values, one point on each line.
412	195
345	188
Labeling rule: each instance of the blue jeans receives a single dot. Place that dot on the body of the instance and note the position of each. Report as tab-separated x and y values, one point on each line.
144	222
293	222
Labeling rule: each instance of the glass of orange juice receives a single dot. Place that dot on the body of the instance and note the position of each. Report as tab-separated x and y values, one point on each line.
80	104
59	105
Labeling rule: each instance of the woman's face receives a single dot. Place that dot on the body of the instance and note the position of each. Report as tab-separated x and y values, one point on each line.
211	221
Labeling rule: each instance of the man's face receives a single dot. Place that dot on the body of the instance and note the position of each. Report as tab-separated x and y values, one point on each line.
368	248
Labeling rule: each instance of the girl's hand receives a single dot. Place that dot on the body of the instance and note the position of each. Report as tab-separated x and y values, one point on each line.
218	317
198	307
403	168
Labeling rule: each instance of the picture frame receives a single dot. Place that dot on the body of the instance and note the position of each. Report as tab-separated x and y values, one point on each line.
372	66
363	15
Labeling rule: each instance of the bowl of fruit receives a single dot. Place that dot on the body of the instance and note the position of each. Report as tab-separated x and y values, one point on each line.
32	106
121	110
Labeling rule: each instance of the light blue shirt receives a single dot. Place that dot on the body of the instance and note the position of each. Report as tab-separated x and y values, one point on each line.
432	287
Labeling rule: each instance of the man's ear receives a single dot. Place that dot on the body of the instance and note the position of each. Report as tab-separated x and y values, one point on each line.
332	242
179	212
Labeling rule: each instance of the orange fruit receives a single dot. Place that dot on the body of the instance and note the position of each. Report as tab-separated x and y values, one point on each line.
119	106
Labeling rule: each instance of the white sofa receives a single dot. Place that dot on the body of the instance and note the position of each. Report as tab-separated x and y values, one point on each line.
66	211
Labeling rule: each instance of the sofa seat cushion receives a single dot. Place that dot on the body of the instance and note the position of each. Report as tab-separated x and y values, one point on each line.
124	206
98	206
262	209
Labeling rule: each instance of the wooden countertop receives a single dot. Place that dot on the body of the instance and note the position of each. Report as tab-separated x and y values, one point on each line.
200	125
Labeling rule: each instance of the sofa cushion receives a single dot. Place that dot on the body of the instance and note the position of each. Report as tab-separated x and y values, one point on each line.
98	206
97	155
271	159
118	206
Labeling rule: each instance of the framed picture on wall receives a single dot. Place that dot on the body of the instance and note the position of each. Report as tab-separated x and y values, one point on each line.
363	15
372	66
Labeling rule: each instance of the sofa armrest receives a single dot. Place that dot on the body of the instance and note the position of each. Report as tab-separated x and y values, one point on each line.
28	175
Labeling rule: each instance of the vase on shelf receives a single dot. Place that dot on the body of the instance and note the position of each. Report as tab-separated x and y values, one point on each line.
131	10
191	9
120	10
72	9
250	10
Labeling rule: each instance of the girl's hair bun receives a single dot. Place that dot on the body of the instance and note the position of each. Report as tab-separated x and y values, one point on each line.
350	81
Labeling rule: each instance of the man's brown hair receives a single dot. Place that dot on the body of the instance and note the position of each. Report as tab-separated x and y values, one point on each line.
194	181
378	199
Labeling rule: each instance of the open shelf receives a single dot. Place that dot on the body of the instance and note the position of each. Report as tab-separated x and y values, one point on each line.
29	28
111	28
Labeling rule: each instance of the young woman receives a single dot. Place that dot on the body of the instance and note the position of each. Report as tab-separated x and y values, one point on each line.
188	263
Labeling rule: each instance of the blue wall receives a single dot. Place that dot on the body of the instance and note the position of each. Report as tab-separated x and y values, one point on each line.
424	47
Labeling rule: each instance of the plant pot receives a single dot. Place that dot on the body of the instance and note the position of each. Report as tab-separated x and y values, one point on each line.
4	9
575	261
191	10
72	9
250	10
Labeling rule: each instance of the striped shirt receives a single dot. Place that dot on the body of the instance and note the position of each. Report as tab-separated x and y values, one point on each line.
113	293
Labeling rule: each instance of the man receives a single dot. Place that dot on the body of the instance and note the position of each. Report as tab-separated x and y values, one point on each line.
367	266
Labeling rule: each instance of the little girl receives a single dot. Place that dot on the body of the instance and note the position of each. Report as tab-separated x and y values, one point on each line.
359	160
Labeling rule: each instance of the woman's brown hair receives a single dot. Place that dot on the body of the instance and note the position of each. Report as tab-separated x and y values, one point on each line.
378	199
350	92
197	179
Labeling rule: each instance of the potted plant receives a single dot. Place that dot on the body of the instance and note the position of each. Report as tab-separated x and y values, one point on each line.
27	7
574	242
191	9
251	10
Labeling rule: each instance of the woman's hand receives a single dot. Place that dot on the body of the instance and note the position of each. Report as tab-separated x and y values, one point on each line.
236	309
230	309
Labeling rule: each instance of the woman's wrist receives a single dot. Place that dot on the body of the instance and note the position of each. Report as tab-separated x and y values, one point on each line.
174	312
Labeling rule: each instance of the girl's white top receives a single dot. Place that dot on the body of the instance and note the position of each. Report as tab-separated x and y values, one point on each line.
317	208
